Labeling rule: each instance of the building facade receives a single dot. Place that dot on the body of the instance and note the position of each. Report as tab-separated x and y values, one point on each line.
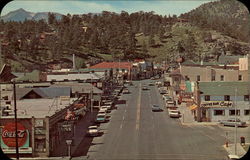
218	101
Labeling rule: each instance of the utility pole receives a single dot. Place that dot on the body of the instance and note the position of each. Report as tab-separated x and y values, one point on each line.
91	96
15	110
235	137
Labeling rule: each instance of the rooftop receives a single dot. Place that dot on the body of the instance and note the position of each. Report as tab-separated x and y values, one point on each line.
39	108
116	65
224	88
79	87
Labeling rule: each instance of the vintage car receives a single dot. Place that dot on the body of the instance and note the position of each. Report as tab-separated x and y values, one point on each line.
232	122
93	131
174	113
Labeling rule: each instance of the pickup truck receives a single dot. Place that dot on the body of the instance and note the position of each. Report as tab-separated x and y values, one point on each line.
93	131
232	122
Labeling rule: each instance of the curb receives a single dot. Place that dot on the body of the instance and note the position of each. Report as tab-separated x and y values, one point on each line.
200	123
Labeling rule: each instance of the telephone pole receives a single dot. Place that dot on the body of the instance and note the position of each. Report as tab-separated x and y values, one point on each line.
15	110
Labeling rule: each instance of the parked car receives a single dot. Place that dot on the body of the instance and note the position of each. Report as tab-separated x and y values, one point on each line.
144	88
158	83
107	107
170	103
101	117
93	131
166	97
232	122
125	91
156	108
174	113
163	91
151	84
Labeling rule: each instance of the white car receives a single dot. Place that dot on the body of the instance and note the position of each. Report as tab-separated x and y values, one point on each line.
93	131
174	113
232	122
107	108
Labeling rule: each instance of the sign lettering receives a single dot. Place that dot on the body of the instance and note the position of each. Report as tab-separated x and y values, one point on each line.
217	104
9	134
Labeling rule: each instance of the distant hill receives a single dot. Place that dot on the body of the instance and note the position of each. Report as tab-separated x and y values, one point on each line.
205	33
20	15
230	17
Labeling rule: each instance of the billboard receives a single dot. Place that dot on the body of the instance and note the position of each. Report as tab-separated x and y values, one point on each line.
8	136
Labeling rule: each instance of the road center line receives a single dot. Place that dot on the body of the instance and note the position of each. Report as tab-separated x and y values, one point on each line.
138	109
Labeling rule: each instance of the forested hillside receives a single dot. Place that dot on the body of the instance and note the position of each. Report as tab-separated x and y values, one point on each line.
202	34
230	17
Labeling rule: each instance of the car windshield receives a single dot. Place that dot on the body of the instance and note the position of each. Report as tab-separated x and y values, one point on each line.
124	79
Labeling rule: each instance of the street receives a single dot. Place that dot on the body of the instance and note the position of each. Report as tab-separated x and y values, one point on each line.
135	132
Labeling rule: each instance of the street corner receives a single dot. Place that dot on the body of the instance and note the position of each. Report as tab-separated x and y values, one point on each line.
230	148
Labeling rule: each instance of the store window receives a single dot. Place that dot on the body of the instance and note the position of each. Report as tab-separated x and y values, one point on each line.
220	112
226	98
232	112
198	78
240	78
246	97
207	98
247	112
222	78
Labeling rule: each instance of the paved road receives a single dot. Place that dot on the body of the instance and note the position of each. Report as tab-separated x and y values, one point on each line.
135	132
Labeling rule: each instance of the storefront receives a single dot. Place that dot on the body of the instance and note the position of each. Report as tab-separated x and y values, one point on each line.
213	111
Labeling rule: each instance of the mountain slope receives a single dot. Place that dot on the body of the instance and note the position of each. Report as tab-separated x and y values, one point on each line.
227	16
17	15
20	15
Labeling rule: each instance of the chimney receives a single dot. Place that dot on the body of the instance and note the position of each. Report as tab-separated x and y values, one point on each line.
74	64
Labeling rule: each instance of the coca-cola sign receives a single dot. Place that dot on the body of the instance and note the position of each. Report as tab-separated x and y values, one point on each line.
9	134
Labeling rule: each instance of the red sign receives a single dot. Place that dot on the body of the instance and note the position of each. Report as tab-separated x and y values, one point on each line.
9	134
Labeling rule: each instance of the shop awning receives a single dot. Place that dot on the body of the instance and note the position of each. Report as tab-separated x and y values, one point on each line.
193	107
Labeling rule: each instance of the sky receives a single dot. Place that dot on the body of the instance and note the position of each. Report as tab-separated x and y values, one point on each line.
161	7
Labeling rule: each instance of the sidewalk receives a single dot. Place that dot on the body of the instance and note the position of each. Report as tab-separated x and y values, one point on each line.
80	129
231	149
187	117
